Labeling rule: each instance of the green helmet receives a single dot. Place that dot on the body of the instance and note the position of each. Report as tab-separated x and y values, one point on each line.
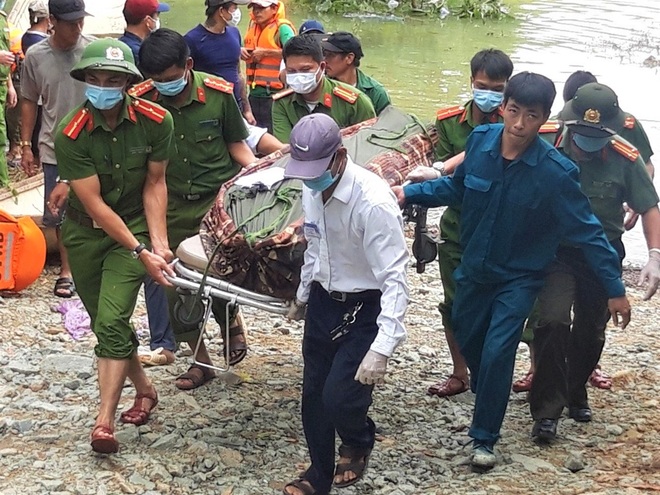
594	111
107	54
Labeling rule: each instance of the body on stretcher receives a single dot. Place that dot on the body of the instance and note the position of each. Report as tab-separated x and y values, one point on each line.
197	284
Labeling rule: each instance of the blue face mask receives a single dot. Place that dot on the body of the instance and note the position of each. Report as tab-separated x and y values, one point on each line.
171	88
590	144
487	101
104	98
321	183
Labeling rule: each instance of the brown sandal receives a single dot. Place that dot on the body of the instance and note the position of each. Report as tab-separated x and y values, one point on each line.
100	441
358	463
139	414
237	349
197	376
446	389
305	488
524	384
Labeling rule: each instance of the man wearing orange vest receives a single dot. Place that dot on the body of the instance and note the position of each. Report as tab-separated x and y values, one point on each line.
267	33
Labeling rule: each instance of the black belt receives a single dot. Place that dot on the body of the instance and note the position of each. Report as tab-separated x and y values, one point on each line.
86	221
351	297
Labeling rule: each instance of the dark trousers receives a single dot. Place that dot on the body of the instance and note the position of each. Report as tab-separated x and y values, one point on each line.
332	401
567	350
262	110
160	330
488	321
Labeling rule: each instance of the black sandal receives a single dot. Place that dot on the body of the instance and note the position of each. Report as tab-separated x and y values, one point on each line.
305	488
359	461
64	287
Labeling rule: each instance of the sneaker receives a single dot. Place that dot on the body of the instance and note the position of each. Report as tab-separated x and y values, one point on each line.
483	458
545	430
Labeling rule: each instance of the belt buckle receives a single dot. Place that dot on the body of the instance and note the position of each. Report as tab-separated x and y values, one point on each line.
338	296
192	197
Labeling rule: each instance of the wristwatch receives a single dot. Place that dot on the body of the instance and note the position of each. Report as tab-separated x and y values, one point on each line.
440	167
62	181
136	252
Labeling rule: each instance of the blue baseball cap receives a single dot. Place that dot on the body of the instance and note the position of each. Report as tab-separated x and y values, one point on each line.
311	26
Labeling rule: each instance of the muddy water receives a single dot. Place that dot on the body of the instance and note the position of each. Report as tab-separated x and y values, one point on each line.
425	64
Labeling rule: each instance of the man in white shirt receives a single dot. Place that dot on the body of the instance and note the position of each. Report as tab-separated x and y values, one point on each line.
354	292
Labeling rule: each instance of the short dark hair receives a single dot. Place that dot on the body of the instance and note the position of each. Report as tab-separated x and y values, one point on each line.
575	81
495	63
530	89
303	44
212	9
161	50
133	20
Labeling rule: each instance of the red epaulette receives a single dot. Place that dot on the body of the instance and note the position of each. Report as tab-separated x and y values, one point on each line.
625	149
150	110
141	89
445	113
629	123
282	94
345	94
549	126
77	123
219	84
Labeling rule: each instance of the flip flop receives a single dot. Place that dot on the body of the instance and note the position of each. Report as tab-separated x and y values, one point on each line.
196	378
524	384
100	441
157	357
64	287
306	489
445	389
599	379
358	463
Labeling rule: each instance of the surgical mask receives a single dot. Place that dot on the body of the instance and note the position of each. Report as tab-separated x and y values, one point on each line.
157	24
321	183
235	18
171	88
487	101
590	144
104	98
303	83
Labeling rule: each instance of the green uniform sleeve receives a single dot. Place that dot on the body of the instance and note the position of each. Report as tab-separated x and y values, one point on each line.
282	126
286	33
364	109
443	149
233	125
638	138
640	192
380	99
161	139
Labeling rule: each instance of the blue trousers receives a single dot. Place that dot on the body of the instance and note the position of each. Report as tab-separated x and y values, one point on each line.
332	401
158	314
488	321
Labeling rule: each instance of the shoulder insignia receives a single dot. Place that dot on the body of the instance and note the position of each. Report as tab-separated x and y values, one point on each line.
549	126
327	100
201	94
625	149
282	94
77	123
629	123
345	94
131	114
142	88
445	113
149	110
219	84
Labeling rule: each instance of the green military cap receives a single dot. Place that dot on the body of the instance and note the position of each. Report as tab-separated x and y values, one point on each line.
594	111
107	54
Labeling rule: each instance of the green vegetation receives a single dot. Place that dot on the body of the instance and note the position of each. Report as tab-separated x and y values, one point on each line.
473	9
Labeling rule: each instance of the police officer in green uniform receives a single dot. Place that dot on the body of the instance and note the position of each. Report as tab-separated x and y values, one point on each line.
310	91
570	332
114	151
490	71
7	58
209	150
342	53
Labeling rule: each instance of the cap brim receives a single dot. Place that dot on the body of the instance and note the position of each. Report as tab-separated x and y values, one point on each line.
72	16
590	130
261	4
163	7
312	169
78	71
326	45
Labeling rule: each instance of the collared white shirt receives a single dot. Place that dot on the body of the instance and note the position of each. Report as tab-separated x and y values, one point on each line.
355	242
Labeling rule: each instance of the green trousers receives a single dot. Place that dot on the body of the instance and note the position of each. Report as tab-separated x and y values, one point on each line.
183	220
108	280
4	174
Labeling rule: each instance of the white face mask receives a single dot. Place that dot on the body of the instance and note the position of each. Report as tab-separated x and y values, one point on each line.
235	18
303	83
156	24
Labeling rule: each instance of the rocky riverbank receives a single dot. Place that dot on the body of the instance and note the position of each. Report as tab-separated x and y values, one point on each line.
241	434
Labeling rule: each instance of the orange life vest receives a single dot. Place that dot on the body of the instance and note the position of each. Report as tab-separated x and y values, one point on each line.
266	72
22	252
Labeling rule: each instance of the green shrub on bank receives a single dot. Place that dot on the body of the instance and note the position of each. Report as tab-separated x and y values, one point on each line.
478	9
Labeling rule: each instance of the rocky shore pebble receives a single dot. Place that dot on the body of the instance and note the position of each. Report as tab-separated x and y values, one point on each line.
241	434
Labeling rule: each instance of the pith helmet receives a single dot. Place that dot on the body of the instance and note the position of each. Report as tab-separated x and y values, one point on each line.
107	54
594	111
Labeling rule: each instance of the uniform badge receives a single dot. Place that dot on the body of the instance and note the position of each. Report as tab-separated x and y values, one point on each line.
592	116
114	53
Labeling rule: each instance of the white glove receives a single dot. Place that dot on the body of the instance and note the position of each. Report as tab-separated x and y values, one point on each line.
372	369
297	310
651	274
420	174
